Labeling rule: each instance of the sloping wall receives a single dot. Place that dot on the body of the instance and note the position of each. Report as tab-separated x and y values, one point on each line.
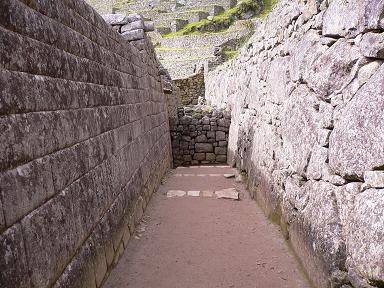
307	100
84	142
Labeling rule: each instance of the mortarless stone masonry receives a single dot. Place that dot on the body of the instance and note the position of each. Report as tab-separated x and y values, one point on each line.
199	135
307	102
84	142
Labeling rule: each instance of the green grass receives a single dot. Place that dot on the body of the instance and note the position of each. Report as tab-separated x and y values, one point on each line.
218	23
268	6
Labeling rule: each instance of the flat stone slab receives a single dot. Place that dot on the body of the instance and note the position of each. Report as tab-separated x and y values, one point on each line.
229	176
193	193
176	193
207	193
230	193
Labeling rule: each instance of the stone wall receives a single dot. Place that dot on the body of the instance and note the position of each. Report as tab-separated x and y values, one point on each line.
199	136
191	88
306	96
84	142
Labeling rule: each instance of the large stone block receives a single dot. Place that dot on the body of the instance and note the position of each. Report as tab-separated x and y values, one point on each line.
115	19
25	188
333	69
350	18
356	143
372	45
220	150
13	261
47	256
365	245
315	231
220	136
203	147
299	127
80	272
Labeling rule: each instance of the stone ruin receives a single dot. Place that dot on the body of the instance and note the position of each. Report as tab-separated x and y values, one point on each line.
87	118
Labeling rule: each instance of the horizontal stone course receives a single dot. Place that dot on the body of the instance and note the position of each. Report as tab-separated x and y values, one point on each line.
86	142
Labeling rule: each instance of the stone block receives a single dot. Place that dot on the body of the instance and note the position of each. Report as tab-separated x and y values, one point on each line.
221	151
149	26
199	156
220	128
374	179
136	25
13	261
223	143
224	122
351	137
203	147
80	272
187	158
115	19
206	127
348	19
211	134
221	158
134	35
25	188
210	157
372	45
220	136
201	139
46	255
365	244
332	69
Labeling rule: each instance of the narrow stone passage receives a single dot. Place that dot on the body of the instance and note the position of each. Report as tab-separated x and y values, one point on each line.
202	241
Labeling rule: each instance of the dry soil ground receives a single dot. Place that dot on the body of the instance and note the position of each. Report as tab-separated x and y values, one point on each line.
204	242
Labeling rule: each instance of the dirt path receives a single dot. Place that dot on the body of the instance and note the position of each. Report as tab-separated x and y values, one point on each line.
204	242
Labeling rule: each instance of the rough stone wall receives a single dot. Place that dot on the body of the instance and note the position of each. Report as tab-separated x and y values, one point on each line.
307	101
191	88
199	136
84	142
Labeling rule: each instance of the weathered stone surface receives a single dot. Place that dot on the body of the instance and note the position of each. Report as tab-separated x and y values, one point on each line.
360	131
203	147
332	69
221	158
299	127
199	156
210	157
220	150
176	193
229	193
372	45
134	35
220	136
365	246
201	139
193	193
306	53
306	121
13	261
115	19
325	249
374	179
67	160
132	26
349	18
